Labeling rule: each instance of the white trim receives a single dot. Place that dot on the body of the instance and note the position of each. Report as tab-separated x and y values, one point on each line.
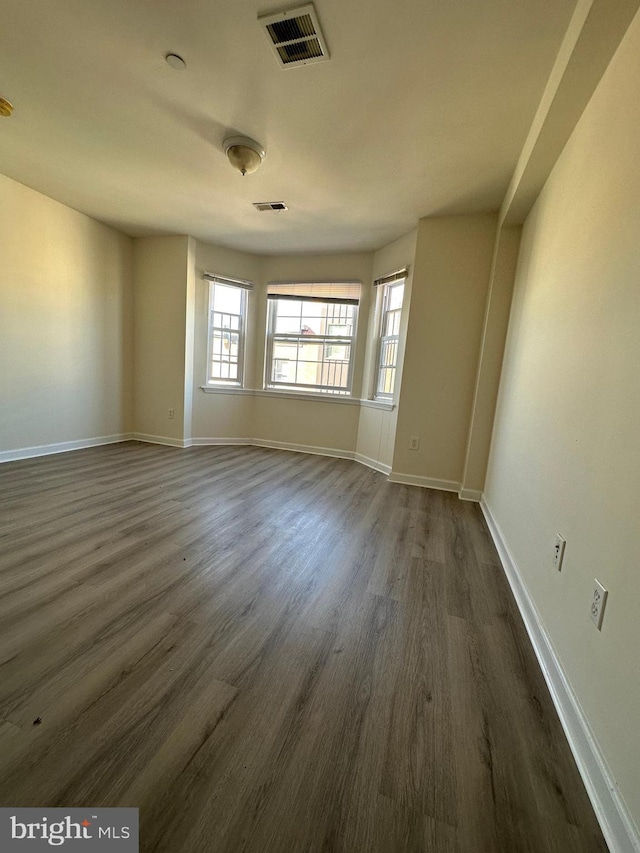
227	389
378	404
617	825
295	395
162	439
424	482
373	463
470	495
62	447
313	398
205	442
303	448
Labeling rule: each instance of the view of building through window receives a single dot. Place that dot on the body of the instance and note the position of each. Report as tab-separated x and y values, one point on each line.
389	338
226	313
310	344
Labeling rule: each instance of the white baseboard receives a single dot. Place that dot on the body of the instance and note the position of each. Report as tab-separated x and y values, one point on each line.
424	482
372	463
470	495
62	447
303	448
616	823
206	442
162	439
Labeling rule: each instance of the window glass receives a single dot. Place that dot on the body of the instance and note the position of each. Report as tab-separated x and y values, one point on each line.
227	306
310	344
392	296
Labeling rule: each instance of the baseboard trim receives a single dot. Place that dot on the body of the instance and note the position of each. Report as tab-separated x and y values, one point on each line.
372	463
618	828
62	447
470	495
303	448
208	442
424	482
162	439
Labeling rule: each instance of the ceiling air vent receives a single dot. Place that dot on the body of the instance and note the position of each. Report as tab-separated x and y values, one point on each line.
270	205
295	36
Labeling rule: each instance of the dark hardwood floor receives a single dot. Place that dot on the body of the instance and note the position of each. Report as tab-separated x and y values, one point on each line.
269	651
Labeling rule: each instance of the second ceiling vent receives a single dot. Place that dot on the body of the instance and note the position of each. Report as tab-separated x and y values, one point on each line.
295	36
270	205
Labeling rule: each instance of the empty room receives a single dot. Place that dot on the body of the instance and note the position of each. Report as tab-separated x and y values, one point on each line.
319	445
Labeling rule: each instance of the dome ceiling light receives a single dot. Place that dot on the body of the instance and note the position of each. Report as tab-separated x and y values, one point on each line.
244	154
5	107
176	62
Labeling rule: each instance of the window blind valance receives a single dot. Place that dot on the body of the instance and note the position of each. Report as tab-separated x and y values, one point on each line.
230	282
323	291
399	275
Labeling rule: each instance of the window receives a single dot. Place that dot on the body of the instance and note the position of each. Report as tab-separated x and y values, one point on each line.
389	332
227	313
311	336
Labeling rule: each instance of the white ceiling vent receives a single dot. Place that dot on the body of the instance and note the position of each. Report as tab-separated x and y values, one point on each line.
270	205
295	36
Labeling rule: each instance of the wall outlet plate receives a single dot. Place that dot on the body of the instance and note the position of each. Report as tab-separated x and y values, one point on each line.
414	442
558	551
598	601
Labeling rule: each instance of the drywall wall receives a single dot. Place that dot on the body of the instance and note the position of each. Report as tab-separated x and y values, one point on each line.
494	332
65	323
163	289
377	427
448	297
566	455
224	415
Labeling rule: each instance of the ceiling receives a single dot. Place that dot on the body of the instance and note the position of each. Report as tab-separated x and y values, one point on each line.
422	110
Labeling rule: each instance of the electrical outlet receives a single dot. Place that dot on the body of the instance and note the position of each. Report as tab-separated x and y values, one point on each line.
598	601
414	442
558	551
171	414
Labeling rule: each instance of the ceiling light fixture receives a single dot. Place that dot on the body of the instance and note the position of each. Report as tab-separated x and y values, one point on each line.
176	62
244	154
5	107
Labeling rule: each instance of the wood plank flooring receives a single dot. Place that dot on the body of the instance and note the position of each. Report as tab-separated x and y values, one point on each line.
269	651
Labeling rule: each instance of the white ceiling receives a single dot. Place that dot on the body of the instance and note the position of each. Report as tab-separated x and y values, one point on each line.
422	109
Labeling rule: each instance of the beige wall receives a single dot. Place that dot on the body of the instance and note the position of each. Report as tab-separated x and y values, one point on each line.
65	323
566	448
163	289
449	291
377	427
494	332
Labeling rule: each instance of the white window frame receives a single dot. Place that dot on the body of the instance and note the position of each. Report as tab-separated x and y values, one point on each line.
322	340
386	285
243	287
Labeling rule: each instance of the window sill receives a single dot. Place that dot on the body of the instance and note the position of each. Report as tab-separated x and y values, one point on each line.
383	405
309	396
226	389
292	395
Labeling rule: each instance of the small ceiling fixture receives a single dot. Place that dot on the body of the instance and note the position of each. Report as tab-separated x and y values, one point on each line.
244	154
176	62
270	205
5	107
